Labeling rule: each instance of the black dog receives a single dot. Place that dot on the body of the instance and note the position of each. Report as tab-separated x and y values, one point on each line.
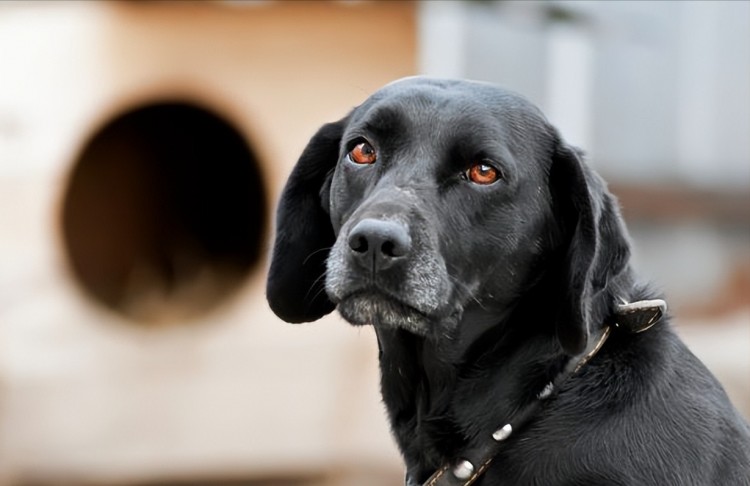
494	266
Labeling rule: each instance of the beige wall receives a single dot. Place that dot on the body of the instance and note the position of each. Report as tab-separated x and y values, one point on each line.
84	393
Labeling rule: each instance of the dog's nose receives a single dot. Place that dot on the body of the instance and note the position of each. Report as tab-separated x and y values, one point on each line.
378	244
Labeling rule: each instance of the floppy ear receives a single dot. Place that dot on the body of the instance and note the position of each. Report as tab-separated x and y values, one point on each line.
598	248
296	279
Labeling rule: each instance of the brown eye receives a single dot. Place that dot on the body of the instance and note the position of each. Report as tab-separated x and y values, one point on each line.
363	153
482	174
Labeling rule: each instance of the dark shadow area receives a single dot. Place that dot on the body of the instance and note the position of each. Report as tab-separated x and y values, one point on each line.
164	213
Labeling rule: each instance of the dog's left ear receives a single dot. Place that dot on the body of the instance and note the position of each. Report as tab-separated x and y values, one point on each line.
598	248
304	235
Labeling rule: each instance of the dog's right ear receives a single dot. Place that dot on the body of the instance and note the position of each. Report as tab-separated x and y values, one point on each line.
304	235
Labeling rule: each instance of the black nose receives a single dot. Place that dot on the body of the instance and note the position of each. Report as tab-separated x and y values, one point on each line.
378	244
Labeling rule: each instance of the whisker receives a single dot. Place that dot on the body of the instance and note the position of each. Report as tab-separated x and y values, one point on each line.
315	252
318	293
312	286
320	290
468	292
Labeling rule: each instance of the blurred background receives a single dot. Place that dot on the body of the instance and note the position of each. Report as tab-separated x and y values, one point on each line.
143	146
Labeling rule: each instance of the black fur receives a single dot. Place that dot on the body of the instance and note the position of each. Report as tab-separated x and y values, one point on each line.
500	284
304	234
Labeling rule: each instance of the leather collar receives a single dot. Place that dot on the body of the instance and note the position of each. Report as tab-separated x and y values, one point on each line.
633	317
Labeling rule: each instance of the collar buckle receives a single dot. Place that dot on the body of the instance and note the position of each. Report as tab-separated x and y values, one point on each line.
636	317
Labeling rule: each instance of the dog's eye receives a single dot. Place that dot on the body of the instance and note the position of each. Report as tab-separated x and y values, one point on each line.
483	174
363	153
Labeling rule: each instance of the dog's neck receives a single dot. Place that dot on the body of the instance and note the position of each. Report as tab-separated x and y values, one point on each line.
424	379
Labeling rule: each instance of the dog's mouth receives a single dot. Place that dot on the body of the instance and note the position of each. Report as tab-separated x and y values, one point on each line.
374	307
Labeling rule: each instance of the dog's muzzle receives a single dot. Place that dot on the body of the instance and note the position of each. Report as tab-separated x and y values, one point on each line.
387	270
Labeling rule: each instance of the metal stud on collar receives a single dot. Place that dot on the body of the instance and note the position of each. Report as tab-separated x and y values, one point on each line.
502	433
463	470
546	392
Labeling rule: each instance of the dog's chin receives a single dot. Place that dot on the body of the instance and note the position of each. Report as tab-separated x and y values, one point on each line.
364	308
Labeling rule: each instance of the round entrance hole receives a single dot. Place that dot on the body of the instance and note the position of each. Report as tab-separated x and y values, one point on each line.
164	212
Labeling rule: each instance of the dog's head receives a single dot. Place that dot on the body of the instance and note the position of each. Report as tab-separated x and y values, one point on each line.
437	197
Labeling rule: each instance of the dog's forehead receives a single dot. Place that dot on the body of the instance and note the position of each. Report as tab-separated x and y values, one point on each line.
430	103
448	87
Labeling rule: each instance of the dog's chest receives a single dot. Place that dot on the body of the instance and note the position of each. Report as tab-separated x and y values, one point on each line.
435	414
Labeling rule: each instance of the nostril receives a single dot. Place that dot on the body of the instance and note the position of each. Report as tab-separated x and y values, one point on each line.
397	244
396	247
358	243
388	248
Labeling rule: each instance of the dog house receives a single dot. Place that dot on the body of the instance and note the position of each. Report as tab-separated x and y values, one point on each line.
143	147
